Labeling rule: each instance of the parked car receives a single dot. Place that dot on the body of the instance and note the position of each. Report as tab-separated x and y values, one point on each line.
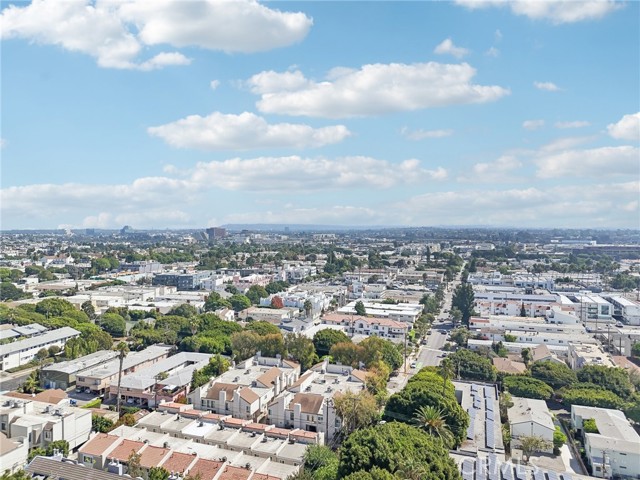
414	364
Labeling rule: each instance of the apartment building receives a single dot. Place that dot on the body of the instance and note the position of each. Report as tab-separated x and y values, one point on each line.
401	312
63	375
191	442
263	314
625	310
21	352
98	379
614	451
511	304
245	390
308	404
41	423
13	453
581	355
166	380
367	326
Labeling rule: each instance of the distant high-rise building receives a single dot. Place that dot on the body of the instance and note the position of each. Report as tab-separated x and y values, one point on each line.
215	233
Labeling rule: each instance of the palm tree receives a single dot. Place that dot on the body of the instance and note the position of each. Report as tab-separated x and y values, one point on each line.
307	307
431	420
122	349
446	372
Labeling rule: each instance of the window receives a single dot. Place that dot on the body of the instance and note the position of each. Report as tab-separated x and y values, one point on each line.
88	459
247	409
291	416
47	435
3	426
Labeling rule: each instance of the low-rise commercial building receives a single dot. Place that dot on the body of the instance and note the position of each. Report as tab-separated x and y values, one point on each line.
581	355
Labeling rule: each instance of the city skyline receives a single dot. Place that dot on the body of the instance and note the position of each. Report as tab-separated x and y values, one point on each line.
195	114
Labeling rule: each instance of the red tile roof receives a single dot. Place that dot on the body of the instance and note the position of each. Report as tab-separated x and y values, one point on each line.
123	451
98	444
235	473
152	456
178	462
206	468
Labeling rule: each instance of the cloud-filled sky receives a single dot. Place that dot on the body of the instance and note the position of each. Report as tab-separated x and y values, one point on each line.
198	113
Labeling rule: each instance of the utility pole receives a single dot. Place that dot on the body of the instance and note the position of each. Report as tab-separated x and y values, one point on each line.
405	350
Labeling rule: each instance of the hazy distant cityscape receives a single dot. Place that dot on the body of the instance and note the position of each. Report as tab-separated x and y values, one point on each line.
251	240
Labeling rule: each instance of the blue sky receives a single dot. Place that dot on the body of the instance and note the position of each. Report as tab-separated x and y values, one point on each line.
199	113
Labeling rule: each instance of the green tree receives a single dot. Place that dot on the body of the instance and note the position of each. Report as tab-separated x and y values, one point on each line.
460	336
615	380
456	315
555	374
133	464
308	307
8	291
158	473
239	302
522	386
271	345
526	355
464	300
590	395
215	302
324	339
360	310
531	444
471	366
263	328
389	446
300	348
559	439
244	344
55	307
432	420
589	426
123	349
420	392
113	324
321	462
101	424
355	410
347	353
185	310
255	293
635	350
88	308
377	349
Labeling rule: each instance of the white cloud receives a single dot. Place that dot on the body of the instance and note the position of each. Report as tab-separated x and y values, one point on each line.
447	47
422	134
497	36
627	128
214	84
148	197
602	205
115	32
164	60
498	171
597	162
532	124
246	131
574	124
373	89
294	173
546	86
492	52
556	11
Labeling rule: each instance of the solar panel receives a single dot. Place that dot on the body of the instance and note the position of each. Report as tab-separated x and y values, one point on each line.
467	469
552	475
481	471
521	472
489	414
538	474
489	393
489	433
507	471
493	467
567	476
489	404
474	387
471	430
